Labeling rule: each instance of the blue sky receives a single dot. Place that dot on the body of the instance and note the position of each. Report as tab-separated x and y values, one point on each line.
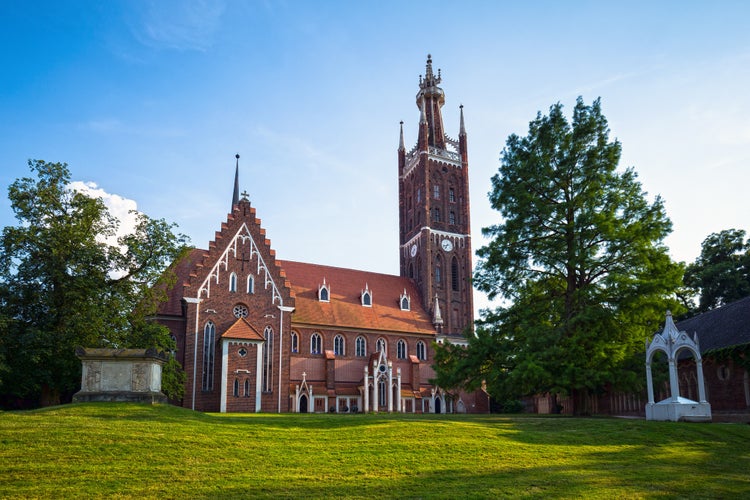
150	100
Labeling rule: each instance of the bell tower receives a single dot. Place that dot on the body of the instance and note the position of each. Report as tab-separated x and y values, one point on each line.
435	230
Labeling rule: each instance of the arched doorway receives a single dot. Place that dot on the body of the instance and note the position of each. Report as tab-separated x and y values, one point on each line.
303	404
438	408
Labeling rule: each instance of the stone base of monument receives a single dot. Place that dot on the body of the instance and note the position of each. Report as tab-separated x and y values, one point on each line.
120	375
682	410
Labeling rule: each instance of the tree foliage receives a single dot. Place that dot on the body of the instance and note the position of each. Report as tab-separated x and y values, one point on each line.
721	273
578	257
66	280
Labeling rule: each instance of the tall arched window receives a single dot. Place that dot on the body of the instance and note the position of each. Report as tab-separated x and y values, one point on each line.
295	342
315	344
250	284
380	345
267	381
209	350
360	347
421	351
247	388
233	282
236	389
438	271
339	349
454	274
401	349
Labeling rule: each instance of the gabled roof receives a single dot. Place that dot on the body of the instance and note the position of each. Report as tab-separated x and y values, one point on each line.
242	330
182	269
345	309
725	326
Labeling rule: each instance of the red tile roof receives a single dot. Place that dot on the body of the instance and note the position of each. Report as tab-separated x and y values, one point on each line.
242	330
345	309
182	269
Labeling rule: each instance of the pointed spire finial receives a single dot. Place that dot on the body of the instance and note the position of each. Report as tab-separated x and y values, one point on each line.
401	138
461	129
437	318
236	193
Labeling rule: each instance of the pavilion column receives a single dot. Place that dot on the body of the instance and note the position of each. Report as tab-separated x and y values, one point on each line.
674	385
701	384
649	383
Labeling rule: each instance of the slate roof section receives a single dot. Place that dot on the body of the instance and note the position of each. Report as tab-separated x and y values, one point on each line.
345	309
725	326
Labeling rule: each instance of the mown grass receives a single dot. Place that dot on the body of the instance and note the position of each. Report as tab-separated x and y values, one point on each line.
127	450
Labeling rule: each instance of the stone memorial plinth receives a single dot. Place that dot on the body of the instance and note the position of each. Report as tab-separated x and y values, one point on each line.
132	375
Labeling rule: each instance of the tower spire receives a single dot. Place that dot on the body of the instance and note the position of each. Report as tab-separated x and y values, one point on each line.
401	146
430	99
236	193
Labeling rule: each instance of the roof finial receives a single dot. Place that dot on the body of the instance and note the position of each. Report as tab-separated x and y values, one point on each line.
401	138
437	319
236	193
462	130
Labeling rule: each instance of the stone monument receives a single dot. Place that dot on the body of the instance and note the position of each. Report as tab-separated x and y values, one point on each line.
128	375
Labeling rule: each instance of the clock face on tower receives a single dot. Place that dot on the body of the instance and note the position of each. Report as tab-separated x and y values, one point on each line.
447	245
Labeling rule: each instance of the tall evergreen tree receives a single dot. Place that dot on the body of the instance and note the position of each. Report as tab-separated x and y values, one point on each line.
579	256
63	285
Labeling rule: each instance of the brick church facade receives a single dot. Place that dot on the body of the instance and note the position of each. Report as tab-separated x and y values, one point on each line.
255	333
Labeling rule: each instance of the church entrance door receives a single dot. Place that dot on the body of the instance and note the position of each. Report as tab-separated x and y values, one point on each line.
437	405
303	404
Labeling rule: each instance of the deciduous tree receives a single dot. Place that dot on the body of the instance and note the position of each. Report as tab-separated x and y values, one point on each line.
721	273
67	280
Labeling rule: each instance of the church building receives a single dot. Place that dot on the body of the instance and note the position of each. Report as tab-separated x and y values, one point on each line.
256	333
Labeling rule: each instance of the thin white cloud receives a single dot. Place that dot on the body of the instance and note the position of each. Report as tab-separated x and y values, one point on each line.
179	25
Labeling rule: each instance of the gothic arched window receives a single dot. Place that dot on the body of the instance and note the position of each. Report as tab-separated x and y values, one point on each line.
338	345
295	342
209	350
315	344
401	349
380	345
454	274
421	351
267	381
360	347
250	284
233	282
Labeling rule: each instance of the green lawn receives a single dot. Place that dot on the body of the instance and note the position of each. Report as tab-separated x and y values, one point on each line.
125	450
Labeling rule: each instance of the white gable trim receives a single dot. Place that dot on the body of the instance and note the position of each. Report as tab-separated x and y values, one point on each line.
242	239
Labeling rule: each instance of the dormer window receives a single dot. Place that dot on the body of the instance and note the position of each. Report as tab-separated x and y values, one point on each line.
366	296
324	292
405	301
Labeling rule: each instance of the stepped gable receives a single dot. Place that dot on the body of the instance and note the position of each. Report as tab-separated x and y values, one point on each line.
182	269
725	326
345	309
242	214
